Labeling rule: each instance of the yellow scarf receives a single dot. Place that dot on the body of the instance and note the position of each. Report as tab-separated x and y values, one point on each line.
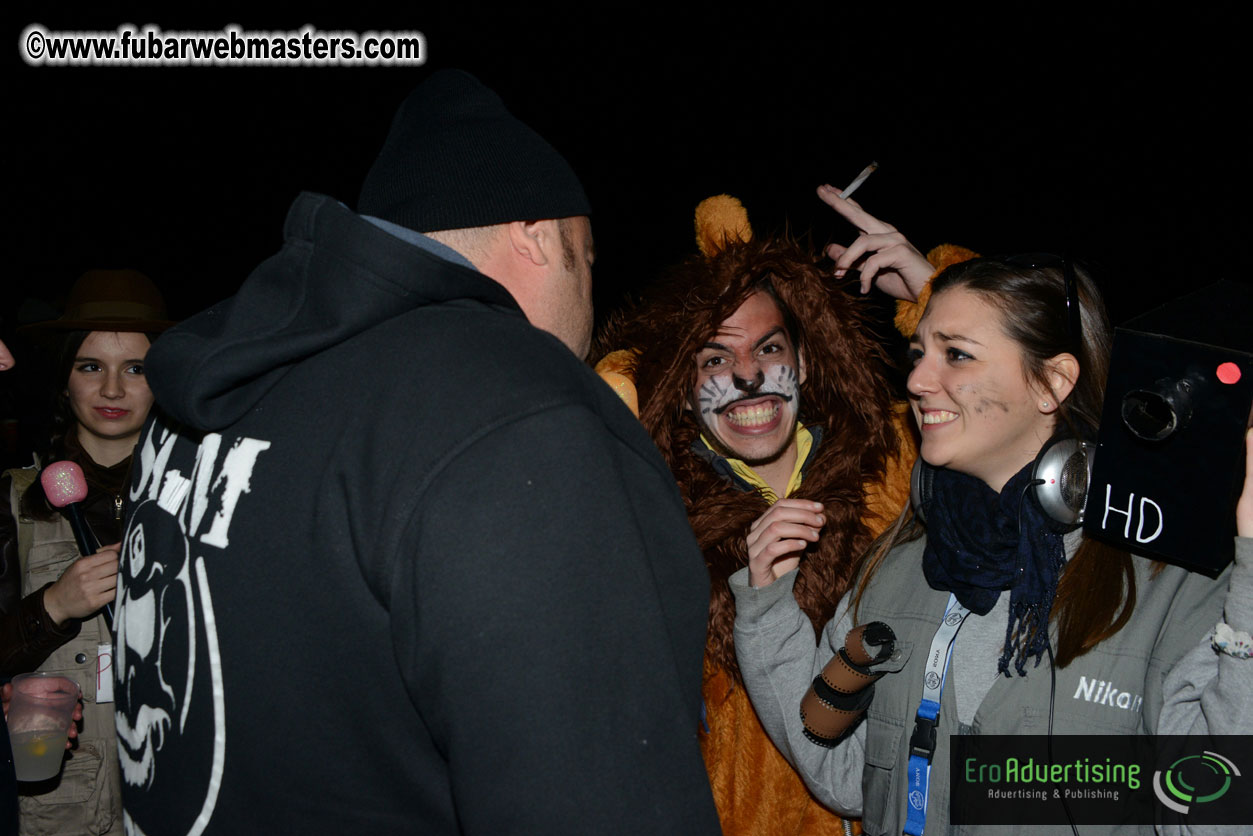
804	442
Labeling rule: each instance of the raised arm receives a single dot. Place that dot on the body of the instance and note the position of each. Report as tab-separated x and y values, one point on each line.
882	254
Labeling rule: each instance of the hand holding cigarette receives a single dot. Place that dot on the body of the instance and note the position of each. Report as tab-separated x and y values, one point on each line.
881	253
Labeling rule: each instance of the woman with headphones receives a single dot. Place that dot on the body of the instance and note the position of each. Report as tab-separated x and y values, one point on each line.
980	611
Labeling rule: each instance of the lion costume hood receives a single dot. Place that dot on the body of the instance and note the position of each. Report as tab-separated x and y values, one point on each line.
854	468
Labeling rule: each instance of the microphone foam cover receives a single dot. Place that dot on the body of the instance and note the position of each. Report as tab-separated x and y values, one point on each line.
64	483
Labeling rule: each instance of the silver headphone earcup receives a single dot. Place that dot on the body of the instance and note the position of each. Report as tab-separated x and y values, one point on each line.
1064	469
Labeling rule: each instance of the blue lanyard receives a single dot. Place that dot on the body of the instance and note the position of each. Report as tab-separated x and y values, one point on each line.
922	742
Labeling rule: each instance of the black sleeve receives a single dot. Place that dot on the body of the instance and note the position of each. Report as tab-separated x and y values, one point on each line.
27	633
10	566
549	623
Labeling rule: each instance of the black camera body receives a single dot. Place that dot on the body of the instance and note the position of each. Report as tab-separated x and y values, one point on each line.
1169	463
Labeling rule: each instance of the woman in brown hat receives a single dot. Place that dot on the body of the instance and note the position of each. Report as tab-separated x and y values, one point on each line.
52	599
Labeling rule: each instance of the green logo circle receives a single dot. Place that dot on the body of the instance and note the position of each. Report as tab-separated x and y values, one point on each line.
1194	779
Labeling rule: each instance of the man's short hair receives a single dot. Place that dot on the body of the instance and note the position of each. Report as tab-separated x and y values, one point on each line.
473	242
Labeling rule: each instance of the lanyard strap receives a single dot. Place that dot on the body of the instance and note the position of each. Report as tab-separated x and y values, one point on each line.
922	742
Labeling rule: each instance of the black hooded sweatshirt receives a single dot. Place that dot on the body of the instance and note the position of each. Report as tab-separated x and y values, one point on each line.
397	562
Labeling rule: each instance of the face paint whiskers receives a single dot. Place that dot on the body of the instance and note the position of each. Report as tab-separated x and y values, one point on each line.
721	392
716	393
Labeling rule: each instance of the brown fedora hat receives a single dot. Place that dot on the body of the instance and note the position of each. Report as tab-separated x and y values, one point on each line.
110	300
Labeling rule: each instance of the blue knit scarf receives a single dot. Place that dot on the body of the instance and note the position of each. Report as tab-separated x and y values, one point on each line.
980	543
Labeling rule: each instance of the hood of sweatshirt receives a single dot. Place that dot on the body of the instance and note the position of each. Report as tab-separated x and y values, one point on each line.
335	277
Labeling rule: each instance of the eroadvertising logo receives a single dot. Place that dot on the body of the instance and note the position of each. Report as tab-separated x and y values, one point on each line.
1194	779
1097	780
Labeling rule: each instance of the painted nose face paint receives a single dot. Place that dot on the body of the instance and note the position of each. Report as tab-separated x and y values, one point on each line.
721	391
754	422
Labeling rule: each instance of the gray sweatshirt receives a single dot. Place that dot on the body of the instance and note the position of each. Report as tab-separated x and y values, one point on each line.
1159	674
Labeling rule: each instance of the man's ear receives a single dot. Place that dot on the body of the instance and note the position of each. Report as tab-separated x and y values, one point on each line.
1062	372
533	241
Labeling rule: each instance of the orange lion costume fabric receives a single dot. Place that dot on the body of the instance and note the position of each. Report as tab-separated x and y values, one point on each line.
859	469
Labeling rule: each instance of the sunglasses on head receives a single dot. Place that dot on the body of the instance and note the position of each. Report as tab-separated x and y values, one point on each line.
1074	322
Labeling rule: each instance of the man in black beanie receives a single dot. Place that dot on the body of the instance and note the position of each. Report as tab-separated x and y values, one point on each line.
397	561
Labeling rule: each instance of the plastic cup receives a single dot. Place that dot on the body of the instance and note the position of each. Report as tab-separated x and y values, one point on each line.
39	721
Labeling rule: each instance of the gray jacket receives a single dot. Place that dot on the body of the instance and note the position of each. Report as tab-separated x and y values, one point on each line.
1158	674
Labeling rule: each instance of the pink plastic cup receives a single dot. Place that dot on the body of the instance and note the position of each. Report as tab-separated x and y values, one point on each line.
39	721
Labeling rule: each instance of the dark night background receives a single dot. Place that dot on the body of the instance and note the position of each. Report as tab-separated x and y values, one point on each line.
1110	135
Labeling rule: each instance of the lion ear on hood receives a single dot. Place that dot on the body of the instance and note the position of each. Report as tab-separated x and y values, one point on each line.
721	220
617	368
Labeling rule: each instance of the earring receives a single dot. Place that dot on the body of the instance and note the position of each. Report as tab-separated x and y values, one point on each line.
1044	404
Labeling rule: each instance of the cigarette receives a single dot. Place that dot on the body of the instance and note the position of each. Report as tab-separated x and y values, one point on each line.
861	178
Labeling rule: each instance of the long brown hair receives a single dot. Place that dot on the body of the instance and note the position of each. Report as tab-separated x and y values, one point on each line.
63	443
1097	591
846	394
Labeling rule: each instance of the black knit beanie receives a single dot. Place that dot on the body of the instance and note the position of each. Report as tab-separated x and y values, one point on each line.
456	158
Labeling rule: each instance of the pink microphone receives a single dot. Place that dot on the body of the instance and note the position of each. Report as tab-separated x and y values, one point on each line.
66	487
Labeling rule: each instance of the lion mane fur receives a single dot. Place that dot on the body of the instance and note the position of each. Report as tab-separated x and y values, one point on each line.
846	393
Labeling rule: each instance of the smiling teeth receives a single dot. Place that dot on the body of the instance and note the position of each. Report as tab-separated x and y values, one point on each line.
753	416
940	416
